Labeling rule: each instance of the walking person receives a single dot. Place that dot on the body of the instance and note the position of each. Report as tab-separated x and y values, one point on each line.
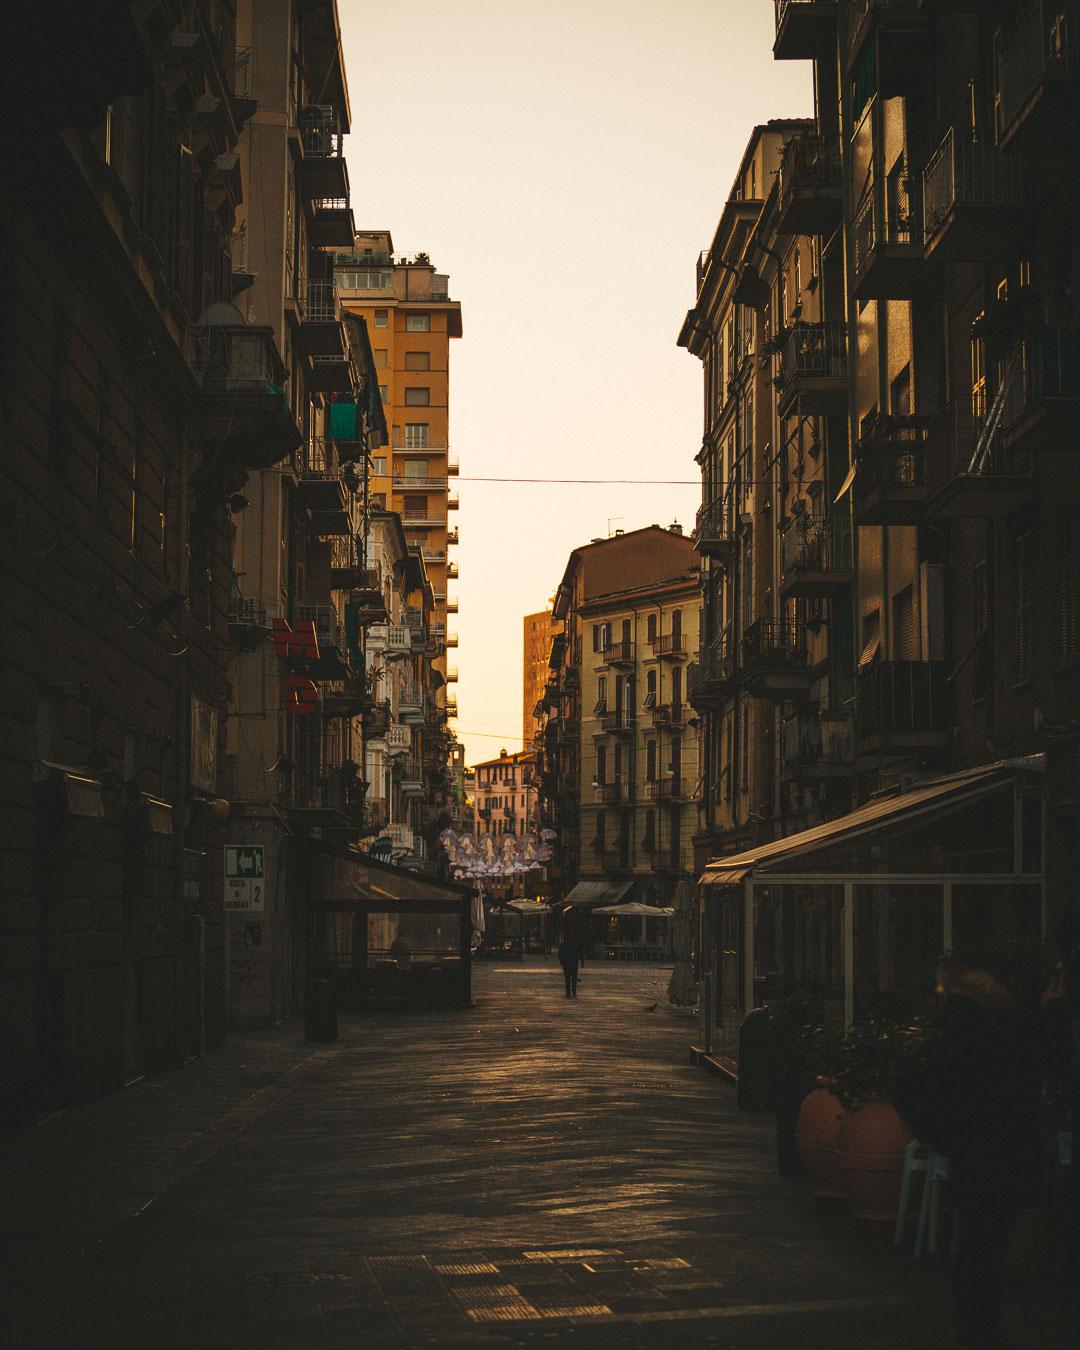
571	958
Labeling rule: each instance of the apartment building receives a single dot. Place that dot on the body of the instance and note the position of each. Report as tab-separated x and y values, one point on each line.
412	320
538	632
505	793
918	546
620	761
131	413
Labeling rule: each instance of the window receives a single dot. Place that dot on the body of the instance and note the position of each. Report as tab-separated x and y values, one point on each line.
978	379
384	393
382	357
416	435
601	764
649	841
650	628
676	754
378	466
417	360
418	323
900	399
601	695
417	398
604	636
676	685
650	689
798	273
416	468
382	318
903	634
601	829
650	761
416	505
676	627
1024	607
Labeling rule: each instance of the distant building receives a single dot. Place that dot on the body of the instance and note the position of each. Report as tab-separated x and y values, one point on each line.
412	321
620	754
538	630
505	794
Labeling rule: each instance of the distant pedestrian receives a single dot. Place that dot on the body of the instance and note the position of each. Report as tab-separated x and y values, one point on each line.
571	959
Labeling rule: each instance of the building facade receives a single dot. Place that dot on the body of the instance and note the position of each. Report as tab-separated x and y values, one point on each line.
129	419
407	307
908	631
620	743
538	631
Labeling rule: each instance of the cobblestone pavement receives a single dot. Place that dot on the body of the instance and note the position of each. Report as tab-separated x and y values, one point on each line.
528	1172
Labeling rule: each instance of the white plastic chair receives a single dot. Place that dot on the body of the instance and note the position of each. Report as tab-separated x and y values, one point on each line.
936	1171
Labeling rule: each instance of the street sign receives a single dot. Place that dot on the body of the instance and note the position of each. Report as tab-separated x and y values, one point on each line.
245	884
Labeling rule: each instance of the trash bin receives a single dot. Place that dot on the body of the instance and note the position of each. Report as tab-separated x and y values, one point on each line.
320	1011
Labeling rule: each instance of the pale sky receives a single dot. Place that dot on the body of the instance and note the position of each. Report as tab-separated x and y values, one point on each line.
564	161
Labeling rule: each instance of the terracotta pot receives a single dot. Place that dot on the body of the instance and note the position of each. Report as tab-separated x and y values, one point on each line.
870	1155
820	1118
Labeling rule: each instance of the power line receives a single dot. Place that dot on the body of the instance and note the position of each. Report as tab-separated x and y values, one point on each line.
643	482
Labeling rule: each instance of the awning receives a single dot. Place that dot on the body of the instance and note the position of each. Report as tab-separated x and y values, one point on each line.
882	811
597	893
637	910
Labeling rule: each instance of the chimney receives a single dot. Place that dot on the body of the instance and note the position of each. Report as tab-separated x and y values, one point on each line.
675	527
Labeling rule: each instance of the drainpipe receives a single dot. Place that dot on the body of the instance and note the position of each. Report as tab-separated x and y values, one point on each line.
182	744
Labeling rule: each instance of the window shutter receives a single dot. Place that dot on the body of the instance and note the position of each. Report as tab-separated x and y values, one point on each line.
184	232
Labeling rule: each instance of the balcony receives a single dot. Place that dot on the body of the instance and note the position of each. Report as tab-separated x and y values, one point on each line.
712	680
815	557
617	654
453	466
818	745
414	483
453	502
451	605
331	224
321	491
902	707
972	475
320	332
412	704
322	170
613	859
813	370
1037	97
377	721
452	572
890	486
362	582
975	200
398	738
669	716
245	421
409	773
805	29
451	707
714	529
331	375
809	185
1042	394
897	32
615	794
616	724
775	664
669	646
889	263
674	789
453	536
333	662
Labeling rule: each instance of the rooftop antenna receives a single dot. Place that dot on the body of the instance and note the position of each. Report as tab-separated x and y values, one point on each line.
610	519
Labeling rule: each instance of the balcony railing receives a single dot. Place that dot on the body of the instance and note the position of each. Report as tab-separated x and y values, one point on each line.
1042	395
714	529
668	644
320	132
620	793
669	716
809	185
712	678
813	369
973	198
618	654
815	742
775	659
328	627
674	789
972	473
815	556
902	706
319	303
1038	77
891	485
888	253
617	723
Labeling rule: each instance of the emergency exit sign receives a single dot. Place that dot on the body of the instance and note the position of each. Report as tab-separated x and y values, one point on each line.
245	884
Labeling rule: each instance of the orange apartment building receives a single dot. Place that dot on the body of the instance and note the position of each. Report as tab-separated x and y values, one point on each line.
538	630
411	320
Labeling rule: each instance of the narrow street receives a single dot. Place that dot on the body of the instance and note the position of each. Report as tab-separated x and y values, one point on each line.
528	1171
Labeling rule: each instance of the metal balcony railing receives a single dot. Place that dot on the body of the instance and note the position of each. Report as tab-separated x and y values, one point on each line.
901	698
809	169
964	172
619	793
617	723
814	351
770	642
319	303
618	653
811	544
1042	49
328	627
812	738
320	132
1045	367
